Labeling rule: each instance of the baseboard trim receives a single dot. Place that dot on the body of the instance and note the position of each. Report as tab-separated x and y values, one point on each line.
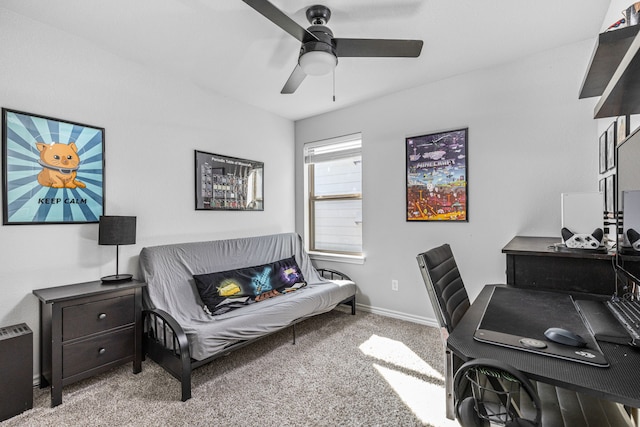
398	315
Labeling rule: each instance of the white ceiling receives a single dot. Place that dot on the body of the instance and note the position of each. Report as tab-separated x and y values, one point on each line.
226	47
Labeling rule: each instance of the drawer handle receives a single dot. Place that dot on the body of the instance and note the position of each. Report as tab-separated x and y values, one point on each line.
102	316
102	351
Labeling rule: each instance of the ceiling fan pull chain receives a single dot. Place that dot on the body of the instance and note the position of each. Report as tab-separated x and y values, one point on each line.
334	85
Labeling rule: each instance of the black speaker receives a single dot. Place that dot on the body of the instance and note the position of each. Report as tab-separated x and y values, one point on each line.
16	370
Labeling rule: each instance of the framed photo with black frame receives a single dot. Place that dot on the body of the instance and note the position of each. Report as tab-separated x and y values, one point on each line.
603	153
53	170
228	183
610	193
602	187
437	176
611	146
622	129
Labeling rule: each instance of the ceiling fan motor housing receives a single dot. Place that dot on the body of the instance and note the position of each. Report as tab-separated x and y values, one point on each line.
323	44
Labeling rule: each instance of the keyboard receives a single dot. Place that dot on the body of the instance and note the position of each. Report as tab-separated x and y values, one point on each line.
628	314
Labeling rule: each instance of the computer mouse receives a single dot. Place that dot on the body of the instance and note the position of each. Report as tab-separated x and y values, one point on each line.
564	336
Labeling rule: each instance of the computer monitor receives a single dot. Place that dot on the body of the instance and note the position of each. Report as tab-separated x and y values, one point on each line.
628	205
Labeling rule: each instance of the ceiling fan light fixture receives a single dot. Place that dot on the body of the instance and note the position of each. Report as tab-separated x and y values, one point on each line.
318	63
320	51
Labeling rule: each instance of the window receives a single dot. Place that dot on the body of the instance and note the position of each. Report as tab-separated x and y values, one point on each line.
334	195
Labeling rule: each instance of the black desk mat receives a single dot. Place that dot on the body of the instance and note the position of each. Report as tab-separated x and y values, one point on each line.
504	323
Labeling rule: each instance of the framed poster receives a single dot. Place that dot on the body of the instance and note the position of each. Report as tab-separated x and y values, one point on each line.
437	174
53	170
228	183
621	123
603	153
610	193
611	146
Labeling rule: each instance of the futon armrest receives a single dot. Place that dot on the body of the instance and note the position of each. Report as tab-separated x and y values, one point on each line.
332	274
165	342
166	331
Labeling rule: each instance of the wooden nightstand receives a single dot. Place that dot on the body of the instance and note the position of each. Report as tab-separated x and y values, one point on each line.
88	328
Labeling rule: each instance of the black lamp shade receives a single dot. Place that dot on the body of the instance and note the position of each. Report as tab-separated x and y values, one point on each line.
117	230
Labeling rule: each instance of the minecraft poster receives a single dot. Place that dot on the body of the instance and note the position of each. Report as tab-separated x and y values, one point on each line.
437	176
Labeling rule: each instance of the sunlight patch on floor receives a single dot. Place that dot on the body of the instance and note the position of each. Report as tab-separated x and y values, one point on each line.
426	400
397	353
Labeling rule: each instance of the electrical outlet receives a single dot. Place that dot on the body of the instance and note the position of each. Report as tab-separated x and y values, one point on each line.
394	285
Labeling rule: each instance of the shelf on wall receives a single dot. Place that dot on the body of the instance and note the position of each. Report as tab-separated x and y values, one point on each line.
610	49
622	94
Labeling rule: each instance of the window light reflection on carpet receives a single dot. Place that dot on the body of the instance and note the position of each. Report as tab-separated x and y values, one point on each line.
426	400
397	353
423	393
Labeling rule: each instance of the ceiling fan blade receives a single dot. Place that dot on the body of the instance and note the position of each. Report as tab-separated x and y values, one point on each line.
294	80
377	48
278	17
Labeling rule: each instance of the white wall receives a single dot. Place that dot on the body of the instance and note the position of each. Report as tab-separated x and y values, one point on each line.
152	124
530	139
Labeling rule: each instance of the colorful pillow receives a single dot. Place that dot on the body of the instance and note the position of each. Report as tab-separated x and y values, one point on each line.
225	290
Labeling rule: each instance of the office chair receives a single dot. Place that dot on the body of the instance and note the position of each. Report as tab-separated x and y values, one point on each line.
444	285
491	392
449	300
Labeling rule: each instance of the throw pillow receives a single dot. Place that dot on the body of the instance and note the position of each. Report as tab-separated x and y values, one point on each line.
225	290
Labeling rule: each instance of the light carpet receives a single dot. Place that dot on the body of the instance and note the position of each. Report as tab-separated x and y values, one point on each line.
344	370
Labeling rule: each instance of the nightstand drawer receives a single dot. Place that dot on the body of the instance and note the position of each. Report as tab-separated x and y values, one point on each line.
85	319
91	353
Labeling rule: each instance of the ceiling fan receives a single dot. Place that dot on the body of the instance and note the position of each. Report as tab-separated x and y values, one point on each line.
320	51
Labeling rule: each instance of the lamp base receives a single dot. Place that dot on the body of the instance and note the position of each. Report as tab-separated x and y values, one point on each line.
116	278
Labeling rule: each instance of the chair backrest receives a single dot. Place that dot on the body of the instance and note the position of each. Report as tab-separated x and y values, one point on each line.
444	285
491	392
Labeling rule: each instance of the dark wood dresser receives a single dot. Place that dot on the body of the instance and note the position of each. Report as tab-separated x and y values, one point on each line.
539	262
88	328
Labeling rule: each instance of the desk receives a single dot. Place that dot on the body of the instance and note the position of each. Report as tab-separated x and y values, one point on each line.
618	383
532	262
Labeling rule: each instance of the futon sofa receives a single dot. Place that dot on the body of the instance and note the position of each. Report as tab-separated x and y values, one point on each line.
182	331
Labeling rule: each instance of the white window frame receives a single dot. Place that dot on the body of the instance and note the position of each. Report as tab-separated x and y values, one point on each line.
313	152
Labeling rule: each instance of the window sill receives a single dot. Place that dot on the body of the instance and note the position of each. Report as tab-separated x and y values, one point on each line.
347	259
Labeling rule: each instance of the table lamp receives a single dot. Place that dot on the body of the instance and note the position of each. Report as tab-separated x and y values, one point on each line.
117	230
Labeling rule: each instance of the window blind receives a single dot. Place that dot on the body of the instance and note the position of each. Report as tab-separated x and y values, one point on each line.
343	147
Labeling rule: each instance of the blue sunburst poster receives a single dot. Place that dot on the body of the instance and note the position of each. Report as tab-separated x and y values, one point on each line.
53	170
